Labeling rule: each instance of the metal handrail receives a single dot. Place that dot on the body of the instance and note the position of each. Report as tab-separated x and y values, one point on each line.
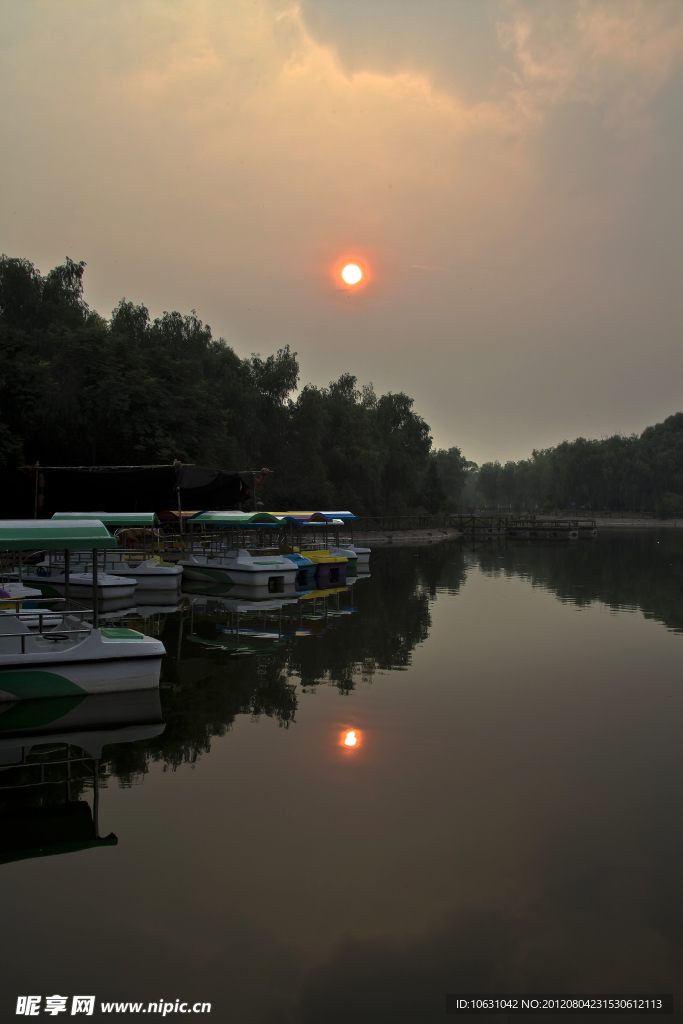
20	600
60	632
50	631
42	632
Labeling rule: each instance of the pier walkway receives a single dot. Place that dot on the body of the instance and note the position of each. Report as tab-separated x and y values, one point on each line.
482	525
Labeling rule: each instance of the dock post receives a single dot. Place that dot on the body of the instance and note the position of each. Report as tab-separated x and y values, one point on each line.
96	798
95	620
180	512
67	573
35	498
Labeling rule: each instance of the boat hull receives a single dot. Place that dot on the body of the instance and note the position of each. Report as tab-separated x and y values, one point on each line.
51	587
330	574
170	584
150	575
207	574
276	578
106	661
96	677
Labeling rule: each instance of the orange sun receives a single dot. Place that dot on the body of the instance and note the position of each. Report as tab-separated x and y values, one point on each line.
352	274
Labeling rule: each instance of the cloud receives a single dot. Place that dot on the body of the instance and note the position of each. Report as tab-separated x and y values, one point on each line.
616	51
222	156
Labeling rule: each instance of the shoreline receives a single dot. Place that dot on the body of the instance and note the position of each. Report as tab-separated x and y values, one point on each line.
646	524
383	538
405	536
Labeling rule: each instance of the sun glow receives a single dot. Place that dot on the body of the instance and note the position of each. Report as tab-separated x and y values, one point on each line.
351	739
351	273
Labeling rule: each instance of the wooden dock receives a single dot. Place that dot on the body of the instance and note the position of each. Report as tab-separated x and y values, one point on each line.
531	528
482	525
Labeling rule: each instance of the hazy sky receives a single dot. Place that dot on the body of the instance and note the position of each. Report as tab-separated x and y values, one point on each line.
509	171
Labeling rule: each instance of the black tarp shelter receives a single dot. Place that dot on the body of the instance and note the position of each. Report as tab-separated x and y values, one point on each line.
136	488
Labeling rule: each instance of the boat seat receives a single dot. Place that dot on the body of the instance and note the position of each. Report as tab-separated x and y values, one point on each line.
12	644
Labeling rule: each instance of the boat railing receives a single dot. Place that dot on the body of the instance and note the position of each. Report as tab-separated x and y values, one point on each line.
50	634
51	631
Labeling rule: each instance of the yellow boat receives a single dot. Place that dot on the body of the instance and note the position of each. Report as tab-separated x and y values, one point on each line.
329	569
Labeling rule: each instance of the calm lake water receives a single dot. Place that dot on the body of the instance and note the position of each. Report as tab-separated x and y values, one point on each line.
510	819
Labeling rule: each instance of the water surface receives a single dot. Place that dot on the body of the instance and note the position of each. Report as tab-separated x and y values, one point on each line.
510	821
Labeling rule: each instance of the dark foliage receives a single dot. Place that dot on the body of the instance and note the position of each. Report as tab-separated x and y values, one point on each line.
613	473
76	389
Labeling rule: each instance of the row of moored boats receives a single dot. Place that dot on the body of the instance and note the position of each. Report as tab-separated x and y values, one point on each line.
51	646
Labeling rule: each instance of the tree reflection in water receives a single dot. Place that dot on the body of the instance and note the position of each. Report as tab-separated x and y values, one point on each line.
518	826
205	689
625	570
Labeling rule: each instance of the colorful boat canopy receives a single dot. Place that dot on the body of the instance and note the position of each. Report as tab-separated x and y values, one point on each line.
51	534
172	515
234	518
112	518
316	517
219	518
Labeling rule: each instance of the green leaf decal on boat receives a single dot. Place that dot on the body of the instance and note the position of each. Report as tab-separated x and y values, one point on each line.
28	683
46	589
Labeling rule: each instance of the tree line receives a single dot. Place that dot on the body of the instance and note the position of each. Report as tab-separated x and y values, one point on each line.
78	389
640	471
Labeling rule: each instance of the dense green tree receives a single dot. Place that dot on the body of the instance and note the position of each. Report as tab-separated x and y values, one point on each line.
489	480
615	472
76	389
433	494
452	467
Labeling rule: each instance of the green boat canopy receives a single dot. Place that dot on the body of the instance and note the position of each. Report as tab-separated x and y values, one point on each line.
50	534
111	518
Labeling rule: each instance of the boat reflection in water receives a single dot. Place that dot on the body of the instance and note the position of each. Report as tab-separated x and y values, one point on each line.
50	752
240	591
251	621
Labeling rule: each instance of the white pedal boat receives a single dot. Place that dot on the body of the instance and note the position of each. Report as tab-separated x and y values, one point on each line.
71	658
271	571
50	581
363	556
150	573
